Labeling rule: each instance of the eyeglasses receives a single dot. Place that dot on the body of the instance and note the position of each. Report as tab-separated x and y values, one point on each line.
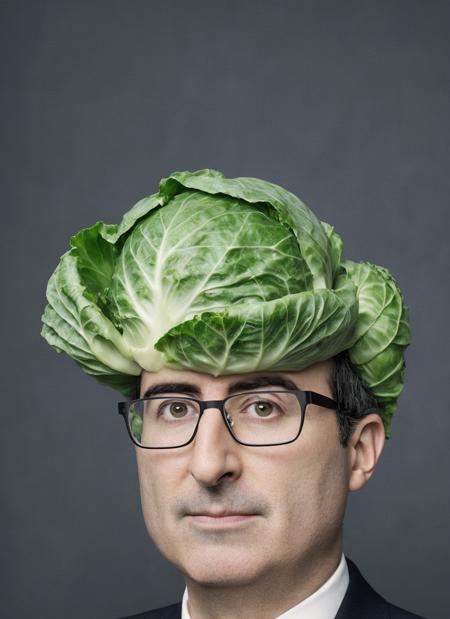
257	419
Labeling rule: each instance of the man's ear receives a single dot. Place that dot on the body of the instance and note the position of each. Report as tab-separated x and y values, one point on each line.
365	446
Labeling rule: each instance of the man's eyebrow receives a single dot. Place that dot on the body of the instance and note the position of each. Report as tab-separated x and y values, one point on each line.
185	388
236	387
261	381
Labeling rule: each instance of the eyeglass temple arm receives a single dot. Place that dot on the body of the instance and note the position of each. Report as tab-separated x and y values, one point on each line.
322	400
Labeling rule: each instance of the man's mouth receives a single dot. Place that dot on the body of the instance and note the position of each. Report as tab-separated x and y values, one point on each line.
219	518
219	514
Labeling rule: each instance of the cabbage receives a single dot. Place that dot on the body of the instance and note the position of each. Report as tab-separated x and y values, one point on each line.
223	276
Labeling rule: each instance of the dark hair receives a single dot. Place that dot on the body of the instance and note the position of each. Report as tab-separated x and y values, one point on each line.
354	398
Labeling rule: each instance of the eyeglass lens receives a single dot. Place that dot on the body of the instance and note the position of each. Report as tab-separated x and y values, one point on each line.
254	418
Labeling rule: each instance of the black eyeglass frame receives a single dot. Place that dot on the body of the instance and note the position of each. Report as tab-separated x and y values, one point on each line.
304	398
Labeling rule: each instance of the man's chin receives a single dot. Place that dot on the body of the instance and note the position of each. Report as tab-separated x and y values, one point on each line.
221	567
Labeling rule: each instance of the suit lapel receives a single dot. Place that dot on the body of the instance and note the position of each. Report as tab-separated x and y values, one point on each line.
360	599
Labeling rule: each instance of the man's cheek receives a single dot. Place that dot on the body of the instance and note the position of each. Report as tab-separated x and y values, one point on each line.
149	493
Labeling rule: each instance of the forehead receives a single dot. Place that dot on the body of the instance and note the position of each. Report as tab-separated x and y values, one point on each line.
315	378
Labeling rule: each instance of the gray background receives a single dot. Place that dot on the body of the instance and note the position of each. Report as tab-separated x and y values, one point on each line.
344	103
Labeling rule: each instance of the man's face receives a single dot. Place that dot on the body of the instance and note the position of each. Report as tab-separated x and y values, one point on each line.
288	500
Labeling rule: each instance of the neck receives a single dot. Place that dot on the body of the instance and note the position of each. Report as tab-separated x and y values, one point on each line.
261	598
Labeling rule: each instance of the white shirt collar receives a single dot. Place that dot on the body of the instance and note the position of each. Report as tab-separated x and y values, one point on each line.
322	604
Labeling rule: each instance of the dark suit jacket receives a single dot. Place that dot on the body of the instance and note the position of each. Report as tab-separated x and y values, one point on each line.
360	602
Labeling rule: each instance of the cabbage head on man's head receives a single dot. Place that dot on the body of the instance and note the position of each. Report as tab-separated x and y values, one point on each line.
223	276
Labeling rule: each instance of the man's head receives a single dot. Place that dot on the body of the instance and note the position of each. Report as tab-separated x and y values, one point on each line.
285	503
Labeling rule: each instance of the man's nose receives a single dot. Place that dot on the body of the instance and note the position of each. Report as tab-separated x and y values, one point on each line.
215	454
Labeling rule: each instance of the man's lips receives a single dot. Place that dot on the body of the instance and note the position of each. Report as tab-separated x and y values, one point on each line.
214	514
220	518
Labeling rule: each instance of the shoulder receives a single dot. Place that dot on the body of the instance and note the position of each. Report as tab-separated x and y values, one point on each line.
167	612
362	601
399	613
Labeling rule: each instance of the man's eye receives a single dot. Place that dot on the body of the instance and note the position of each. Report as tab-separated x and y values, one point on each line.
176	410
262	408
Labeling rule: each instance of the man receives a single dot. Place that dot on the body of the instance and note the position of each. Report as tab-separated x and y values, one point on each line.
268	370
